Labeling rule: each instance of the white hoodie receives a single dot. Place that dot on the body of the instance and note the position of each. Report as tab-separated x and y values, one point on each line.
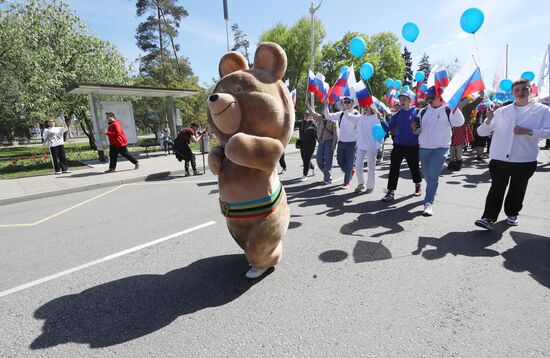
348	124
365	139
436	128
507	146
53	136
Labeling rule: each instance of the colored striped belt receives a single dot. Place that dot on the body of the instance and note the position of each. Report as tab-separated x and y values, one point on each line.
252	208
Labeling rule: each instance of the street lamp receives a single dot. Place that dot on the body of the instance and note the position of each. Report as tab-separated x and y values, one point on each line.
312	10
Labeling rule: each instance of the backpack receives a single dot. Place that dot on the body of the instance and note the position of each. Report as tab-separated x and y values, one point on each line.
447	110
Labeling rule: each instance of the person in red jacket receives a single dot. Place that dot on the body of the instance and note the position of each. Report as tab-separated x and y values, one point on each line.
117	143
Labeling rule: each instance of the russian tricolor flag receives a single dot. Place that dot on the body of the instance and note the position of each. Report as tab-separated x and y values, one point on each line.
364	97
317	85
467	81
419	93
342	86
441	80
293	95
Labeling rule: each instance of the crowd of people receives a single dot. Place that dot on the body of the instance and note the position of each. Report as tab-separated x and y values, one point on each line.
425	136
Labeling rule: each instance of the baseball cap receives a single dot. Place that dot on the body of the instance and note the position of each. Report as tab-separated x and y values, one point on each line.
431	92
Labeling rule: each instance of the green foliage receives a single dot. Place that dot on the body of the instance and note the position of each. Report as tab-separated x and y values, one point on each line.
383	52
407	58
44	48
296	41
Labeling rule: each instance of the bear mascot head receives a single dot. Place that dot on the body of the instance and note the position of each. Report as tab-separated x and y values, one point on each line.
252	116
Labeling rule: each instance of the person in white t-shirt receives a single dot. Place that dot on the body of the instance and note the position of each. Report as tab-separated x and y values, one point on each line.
516	130
53	138
434	126
367	146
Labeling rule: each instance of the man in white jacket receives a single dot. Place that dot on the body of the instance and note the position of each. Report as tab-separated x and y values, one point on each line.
434	125
516	130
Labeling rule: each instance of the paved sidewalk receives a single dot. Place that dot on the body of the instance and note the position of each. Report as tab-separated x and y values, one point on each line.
157	165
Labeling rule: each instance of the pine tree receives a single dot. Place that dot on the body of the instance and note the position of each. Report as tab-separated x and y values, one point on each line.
408	66
157	33
424	65
241	41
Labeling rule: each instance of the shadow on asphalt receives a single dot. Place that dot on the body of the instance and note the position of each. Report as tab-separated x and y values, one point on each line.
531	254
120	311
364	251
472	243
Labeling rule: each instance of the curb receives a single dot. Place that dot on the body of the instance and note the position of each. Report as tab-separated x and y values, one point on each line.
76	189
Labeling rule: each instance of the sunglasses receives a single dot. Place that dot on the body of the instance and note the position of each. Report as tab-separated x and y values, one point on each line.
348	101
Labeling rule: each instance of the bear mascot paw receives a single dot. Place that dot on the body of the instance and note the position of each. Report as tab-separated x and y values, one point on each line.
252	115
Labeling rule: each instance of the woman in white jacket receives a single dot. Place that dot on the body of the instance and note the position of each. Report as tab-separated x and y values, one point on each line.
367	146
53	138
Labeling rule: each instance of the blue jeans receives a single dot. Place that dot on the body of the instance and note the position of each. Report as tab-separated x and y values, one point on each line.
345	155
324	157
432	161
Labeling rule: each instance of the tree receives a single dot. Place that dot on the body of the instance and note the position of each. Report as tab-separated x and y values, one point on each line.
424	65
44	48
157	33
407	80
241	42
382	51
296	41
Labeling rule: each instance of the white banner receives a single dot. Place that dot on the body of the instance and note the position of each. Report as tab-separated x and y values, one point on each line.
124	113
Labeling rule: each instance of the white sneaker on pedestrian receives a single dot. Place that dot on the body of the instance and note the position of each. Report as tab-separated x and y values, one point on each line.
428	209
255	272
303	178
512	221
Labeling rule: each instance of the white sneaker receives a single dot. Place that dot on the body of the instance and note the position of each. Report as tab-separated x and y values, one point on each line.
303	178
512	221
255	272
428	210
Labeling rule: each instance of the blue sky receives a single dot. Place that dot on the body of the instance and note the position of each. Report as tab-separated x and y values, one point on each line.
523	25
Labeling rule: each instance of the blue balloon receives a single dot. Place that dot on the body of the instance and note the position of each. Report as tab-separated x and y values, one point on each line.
397	84
378	132
419	76
511	98
471	20
410	31
501	96
505	85
397	94
406	88
357	46
424	87
389	83
366	71
344	69
528	75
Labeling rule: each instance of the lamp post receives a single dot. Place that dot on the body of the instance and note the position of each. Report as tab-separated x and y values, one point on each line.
312	10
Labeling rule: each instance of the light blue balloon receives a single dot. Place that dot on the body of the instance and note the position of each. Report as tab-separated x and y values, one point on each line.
357	46
410	31
419	76
406	88
397	84
397	94
424	87
344	69
389	83
505	85
471	20
366	71
511	98
528	75
501	96
378	132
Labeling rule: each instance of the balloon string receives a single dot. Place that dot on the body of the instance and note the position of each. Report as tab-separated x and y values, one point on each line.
477	49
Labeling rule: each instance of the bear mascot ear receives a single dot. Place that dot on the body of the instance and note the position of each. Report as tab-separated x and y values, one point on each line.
231	62
272	58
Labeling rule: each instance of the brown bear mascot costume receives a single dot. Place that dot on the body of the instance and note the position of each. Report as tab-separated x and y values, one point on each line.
252	115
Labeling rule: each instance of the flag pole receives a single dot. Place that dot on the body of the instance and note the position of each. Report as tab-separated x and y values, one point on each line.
226	18
506	61
312	11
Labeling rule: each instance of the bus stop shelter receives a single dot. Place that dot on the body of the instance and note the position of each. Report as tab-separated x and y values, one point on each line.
99	124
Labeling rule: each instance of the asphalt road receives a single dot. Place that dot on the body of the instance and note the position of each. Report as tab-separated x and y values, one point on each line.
149	269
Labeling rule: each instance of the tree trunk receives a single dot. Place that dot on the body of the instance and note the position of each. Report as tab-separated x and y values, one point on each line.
86	126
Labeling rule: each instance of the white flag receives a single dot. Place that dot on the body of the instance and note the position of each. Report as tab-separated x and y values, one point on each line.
500	74
431	76
544	76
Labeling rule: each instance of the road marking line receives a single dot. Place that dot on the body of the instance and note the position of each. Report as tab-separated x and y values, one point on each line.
176	182
64	210
104	259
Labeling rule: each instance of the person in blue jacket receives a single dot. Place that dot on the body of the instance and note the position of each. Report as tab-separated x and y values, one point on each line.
405	146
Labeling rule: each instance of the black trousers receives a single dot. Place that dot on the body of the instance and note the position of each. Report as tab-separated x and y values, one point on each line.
306	151
503	173
114	151
282	161
59	159
193	163
410	154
